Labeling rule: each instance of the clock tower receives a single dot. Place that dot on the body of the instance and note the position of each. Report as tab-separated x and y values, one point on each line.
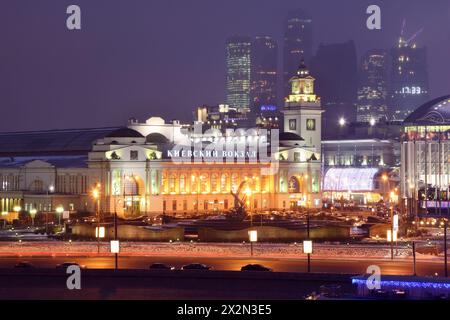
302	109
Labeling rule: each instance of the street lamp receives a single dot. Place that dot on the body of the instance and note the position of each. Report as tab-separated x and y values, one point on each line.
100	232
17	209
33	213
253	237
307	248
59	211
342	121
445	248
96	196
4	214
115	248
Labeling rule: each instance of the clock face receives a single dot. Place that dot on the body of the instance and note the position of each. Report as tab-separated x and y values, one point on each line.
311	124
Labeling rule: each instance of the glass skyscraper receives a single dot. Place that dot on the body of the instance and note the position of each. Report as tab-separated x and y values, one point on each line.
372	90
238	64
409	79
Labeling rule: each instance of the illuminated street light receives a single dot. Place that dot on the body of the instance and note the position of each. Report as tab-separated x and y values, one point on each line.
372	122
33	213
342	121
96	196
115	246
17	209
59	211
308	248
4	214
253	237
100	232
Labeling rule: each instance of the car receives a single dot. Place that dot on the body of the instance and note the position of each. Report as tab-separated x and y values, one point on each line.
24	265
161	266
196	266
255	267
65	265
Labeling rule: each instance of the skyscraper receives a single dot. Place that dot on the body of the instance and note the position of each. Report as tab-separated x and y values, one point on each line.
263	76
372	91
409	79
335	68
297	44
238	64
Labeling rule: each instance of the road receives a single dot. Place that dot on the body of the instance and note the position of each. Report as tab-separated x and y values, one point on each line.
396	267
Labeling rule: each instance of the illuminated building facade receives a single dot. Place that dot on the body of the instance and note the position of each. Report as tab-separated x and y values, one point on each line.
297	44
409	79
362	170
238	65
137	169
372	91
425	154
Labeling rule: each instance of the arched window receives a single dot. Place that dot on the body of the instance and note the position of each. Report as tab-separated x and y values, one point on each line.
294	185
172	183
263	183
130	186
194	184
214	182
223	182
204	183
234	182
164	183
182	183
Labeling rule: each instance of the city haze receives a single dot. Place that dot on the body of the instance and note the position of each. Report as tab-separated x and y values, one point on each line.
164	58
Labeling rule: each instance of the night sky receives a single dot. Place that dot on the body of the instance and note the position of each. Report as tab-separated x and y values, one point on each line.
164	57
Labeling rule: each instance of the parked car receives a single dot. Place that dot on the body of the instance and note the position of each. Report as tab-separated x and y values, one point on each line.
255	267
161	266
65	265
196	266
24	265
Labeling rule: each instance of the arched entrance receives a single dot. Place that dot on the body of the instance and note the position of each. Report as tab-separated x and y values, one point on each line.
132	188
294	185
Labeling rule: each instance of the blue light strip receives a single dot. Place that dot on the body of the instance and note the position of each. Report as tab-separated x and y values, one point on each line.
408	284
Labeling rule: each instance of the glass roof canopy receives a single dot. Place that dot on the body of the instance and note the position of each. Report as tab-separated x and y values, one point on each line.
76	141
350	179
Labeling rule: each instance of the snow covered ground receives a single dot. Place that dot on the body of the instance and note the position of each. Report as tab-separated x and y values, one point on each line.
289	251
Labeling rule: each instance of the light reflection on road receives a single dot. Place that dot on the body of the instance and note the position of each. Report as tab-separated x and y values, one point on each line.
398	267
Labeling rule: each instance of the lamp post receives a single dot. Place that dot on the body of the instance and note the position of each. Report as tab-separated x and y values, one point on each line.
253	237
96	196
59	211
445	248
4	214
392	232
17	209
115	243
307	244
307	248
33	213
